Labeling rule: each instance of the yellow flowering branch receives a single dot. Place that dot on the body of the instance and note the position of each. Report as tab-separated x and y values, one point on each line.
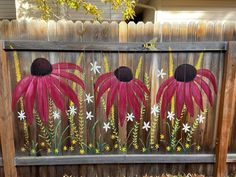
18	78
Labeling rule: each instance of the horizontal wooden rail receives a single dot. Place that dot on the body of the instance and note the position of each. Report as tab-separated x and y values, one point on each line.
114	159
112	47
124	159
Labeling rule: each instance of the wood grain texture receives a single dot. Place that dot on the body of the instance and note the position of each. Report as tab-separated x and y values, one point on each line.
226	113
6	119
67	37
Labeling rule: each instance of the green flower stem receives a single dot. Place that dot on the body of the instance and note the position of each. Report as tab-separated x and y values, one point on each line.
135	134
192	130
43	131
153	129
175	129
73	130
50	119
81	117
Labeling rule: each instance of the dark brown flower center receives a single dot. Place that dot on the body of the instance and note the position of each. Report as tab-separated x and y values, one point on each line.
123	74
185	73
41	67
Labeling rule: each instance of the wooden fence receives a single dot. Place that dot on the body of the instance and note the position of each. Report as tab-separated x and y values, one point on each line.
216	130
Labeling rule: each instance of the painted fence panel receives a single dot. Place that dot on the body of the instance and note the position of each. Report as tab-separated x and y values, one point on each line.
73	133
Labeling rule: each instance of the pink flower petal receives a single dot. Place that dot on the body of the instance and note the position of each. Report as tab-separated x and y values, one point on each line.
111	96
179	98
188	99
162	87
69	76
133	102
103	88
101	79
29	99
63	87
168	93
20	89
197	95
138	91
55	93
142	85
64	65
208	74
122	102
205	88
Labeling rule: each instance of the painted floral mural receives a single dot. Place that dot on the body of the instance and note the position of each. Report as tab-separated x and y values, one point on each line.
111	108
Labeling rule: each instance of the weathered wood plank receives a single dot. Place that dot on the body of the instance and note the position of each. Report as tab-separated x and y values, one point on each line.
112	47
117	158
6	118
226	112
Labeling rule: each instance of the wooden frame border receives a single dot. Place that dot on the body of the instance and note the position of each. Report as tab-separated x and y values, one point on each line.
59	46
6	118
226	112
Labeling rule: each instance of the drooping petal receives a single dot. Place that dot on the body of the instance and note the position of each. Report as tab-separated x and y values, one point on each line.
168	93
179	99
56	94
138	91
63	87
188	99
205	88
42	99
111	96
101	79
142	85
122	102
102	89
29	99
197	95
20	89
64	65
69	76
133	102
162	87
208	74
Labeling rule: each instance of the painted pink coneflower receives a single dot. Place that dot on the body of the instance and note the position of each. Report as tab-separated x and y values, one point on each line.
43	81
186	85
129	90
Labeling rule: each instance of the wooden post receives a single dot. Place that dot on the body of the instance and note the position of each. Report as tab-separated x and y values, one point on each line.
6	118
226	112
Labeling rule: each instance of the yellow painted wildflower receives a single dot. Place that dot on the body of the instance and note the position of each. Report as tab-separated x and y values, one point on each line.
162	137
113	137
144	149
97	151
107	148
90	145
187	146
123	149
71	148
49	150
73	142
157	146
116	146
178	149
168	148
81	151
33	151
56	151
23	149
198	148
42	144
136	146
65	148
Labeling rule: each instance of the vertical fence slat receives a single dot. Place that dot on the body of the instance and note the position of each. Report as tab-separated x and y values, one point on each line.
6	124
226	113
